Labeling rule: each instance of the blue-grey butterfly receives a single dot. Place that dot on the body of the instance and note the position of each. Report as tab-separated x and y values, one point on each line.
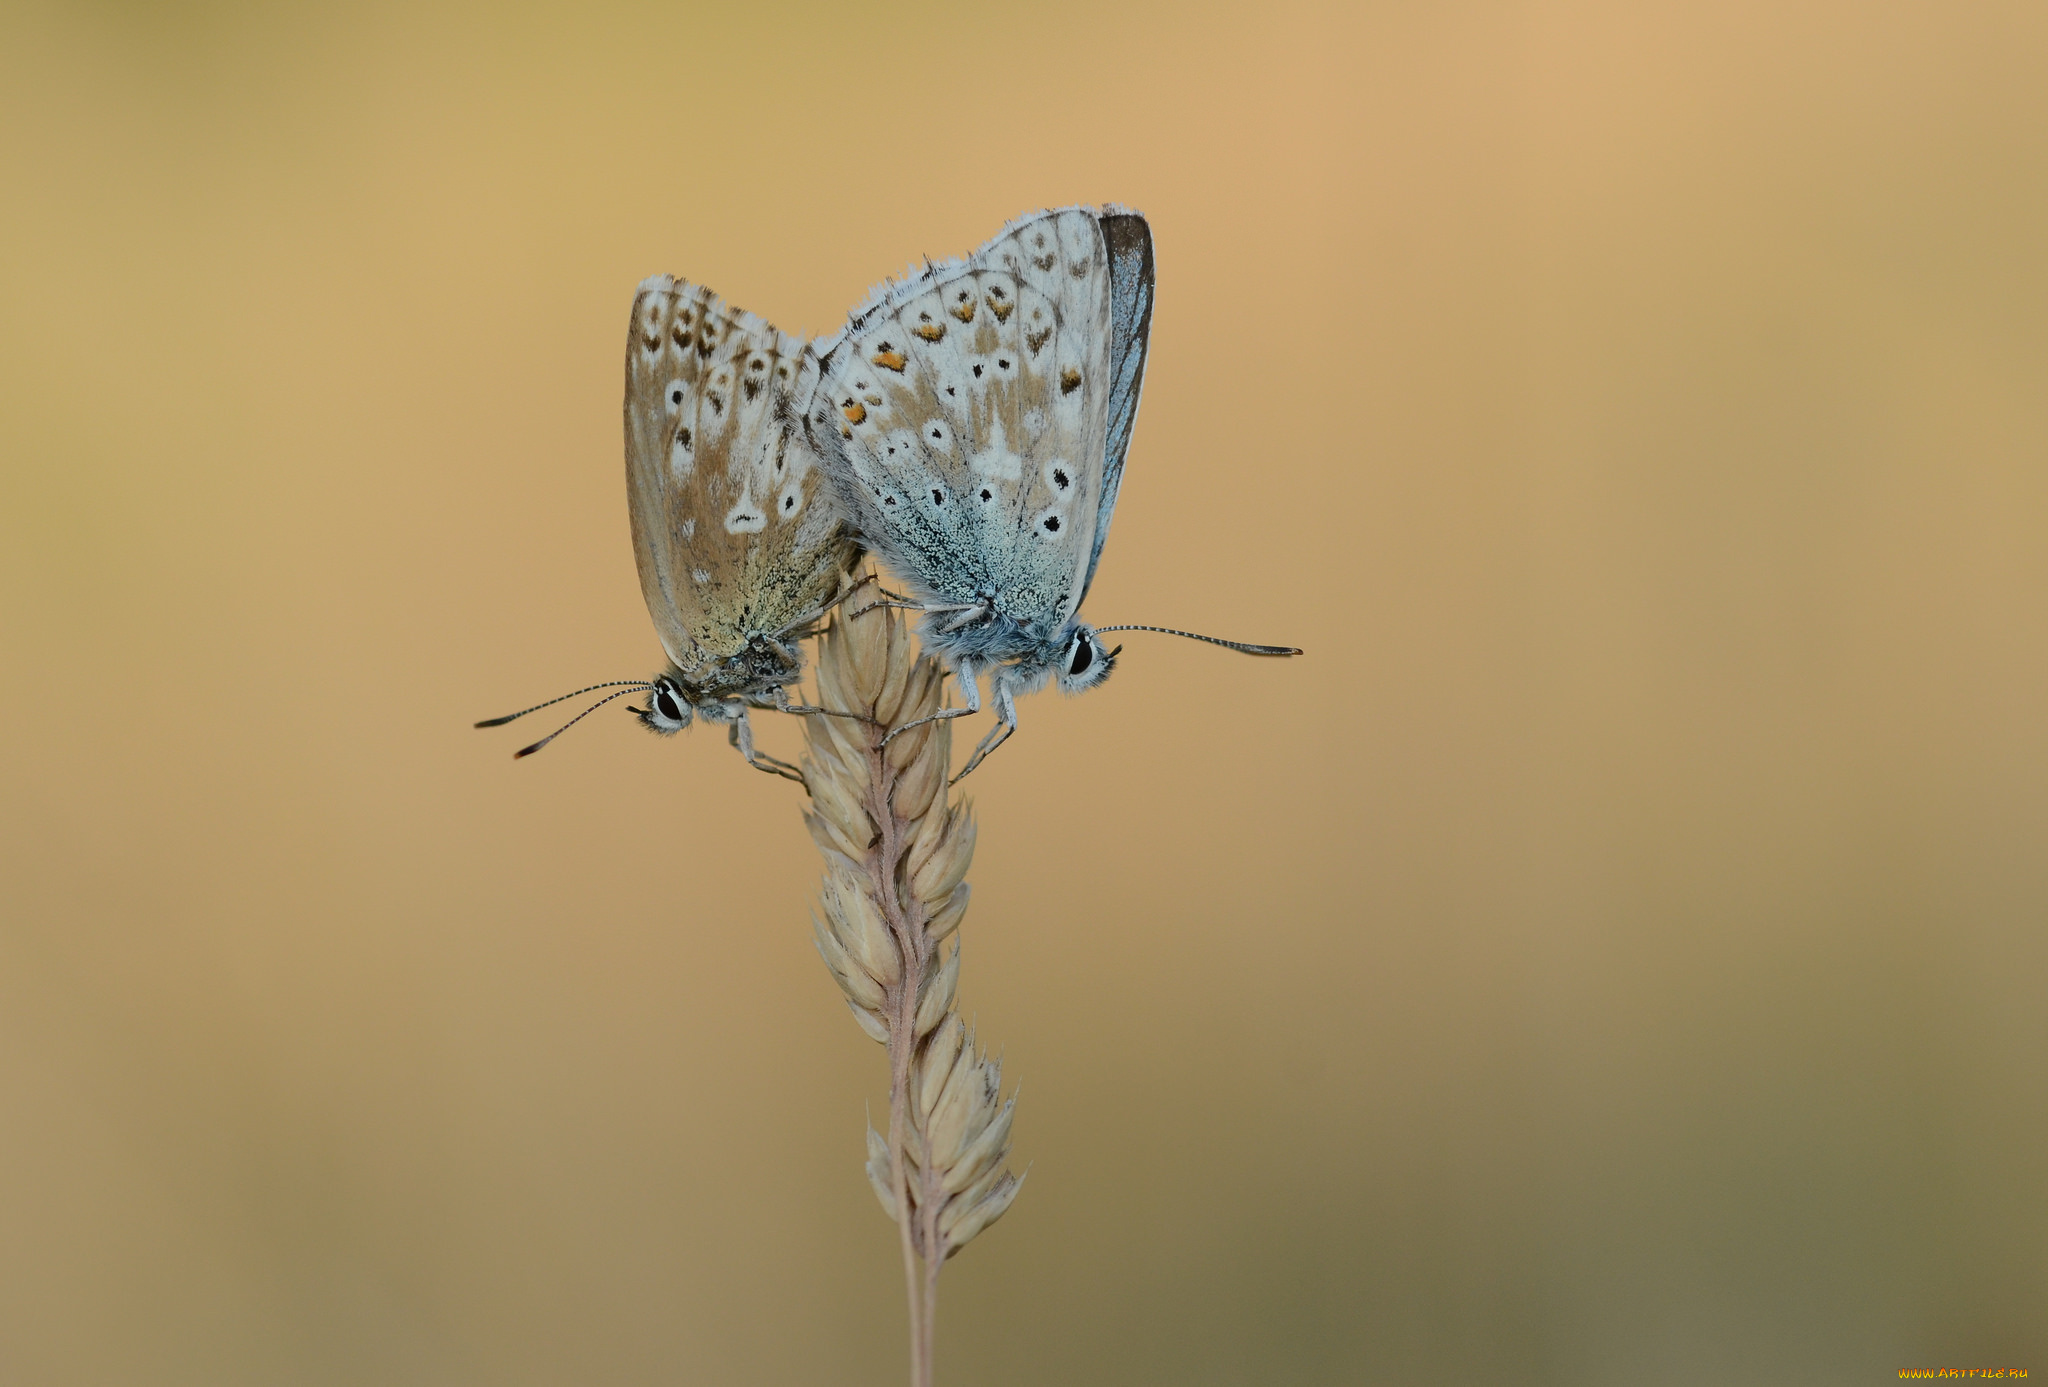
974	417
740	541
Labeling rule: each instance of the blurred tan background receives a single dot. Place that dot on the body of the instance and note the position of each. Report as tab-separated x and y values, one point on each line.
1614	955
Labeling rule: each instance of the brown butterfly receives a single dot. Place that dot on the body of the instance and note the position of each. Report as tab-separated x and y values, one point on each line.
741	543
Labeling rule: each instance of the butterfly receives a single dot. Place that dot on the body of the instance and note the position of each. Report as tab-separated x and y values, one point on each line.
740	541
974	417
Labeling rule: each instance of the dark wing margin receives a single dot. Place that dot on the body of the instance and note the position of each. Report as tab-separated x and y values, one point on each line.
1129	243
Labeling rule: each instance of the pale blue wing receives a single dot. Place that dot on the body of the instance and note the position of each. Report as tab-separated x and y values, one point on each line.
963	412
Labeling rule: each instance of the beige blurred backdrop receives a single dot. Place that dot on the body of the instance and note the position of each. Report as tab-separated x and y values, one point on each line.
1615	954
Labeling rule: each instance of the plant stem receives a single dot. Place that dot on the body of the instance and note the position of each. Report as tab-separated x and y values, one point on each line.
897	850
883	858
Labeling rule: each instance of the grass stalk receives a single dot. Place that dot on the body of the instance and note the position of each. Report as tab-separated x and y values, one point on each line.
897	847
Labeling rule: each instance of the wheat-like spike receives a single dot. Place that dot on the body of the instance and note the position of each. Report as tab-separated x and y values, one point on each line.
897	848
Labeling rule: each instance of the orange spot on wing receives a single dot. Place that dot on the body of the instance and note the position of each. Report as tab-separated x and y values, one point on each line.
963	310
931	332
891	359
854	411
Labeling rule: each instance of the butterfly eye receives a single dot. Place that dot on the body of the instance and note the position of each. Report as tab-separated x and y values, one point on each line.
1084	656
666	702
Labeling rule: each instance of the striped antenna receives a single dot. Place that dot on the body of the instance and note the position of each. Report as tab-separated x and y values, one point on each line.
608	684
1243	646
529	750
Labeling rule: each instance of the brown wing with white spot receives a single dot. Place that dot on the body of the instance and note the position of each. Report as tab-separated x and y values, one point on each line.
735	528
970	405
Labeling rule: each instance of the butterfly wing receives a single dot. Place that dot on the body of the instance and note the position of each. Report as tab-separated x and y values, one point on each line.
968	408
734	527
1128	242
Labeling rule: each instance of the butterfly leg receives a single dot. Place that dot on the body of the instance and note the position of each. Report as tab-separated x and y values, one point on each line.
969	685
906	605
741	735
964	615
866	580
1006	723
783	705
877	606
801	626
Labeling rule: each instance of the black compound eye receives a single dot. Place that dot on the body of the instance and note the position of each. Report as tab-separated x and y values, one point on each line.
1084	656
666	703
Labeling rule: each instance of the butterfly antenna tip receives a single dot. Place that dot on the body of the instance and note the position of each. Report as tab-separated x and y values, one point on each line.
529	750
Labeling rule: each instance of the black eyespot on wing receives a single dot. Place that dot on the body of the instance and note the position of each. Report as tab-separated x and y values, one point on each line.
1084	656
1059	478
1052	524
675	395
987	495
938	497
977	373
789	503
683	437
